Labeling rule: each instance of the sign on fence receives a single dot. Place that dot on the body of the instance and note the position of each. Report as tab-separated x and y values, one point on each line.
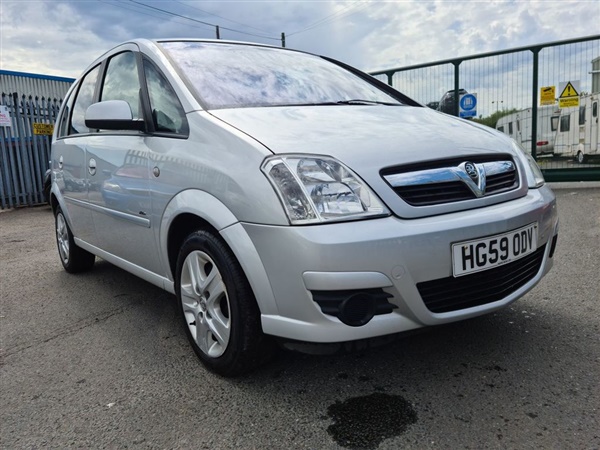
468	105
547	95
4	117
569	94
43	128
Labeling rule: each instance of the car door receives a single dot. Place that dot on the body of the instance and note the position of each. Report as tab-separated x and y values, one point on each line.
118	167
69	156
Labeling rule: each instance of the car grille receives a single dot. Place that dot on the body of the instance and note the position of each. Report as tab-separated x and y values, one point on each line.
449	181
451	294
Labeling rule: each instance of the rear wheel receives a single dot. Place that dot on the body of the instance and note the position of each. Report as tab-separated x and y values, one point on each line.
580	157
221	317
73	258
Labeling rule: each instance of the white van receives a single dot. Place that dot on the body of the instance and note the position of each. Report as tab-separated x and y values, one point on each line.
578	132
518	125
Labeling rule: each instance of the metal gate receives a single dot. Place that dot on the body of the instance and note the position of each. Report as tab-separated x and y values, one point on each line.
25	134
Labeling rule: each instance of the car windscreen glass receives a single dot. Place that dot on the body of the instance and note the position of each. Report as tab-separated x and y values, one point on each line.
237	76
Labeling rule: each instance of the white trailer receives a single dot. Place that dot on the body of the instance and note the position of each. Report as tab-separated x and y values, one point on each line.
518	125
578	131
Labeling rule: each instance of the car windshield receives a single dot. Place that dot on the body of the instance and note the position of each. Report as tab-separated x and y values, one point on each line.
237	76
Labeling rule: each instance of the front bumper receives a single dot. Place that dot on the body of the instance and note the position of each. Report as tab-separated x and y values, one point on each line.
389	253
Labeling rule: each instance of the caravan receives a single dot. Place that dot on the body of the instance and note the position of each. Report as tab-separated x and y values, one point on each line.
518	125
578	131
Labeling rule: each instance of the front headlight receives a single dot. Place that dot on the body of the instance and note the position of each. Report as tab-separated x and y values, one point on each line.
535	178
316	189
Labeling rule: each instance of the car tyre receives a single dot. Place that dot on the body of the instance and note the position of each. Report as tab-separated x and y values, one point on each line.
73	258
218	308
580	157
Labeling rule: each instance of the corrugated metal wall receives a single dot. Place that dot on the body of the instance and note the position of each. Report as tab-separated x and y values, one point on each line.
33	84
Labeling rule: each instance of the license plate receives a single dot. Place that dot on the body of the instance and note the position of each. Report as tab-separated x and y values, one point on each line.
482	254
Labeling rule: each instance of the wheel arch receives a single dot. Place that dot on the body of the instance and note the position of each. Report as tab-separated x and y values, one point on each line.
192	210
58	201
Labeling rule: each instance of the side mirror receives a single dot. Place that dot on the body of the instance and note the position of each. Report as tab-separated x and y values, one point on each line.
112	115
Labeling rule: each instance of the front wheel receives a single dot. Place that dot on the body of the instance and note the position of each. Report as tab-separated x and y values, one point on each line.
221	317
73	258
580	157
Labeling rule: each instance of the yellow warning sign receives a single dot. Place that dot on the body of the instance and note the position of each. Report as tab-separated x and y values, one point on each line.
43	128
569	91
569	94
568	102
547	95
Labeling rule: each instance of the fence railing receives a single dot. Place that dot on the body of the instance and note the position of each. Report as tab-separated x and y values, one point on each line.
510	87
25	148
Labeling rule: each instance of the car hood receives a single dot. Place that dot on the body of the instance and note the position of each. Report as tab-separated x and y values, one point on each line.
369	138
364	135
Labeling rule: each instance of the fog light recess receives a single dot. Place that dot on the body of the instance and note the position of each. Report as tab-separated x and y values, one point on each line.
354	308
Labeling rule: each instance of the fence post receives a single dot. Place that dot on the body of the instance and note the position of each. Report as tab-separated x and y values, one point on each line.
456	86
534	96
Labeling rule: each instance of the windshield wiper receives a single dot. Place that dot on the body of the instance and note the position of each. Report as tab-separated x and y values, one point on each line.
359	101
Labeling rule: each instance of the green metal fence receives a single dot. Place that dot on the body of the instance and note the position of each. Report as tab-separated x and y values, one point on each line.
550	91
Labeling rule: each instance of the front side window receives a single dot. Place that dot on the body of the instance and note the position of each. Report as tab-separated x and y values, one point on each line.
84	99
554	123
167	113
121	82
510	128
595	109
242	76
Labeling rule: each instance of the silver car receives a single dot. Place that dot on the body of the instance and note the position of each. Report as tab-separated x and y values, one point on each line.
286	197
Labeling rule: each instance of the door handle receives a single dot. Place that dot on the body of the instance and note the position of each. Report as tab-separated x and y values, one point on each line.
92	167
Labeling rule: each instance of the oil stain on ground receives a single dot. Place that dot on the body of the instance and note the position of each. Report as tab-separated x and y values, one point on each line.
364	422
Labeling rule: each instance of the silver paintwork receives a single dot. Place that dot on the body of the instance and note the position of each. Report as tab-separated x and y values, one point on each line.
143	183
387	137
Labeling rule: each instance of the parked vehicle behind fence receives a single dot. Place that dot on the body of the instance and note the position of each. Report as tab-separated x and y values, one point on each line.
283	196
447	103
578	133
518	125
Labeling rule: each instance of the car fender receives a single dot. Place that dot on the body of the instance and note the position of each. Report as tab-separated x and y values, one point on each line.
217	214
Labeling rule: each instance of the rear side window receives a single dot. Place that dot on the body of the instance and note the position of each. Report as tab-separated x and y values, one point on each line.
167	113
63	120
122	82
85	97
595	109
510	128
554	123
582	115
501	129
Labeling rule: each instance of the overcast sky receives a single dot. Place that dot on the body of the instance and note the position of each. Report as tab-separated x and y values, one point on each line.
62	37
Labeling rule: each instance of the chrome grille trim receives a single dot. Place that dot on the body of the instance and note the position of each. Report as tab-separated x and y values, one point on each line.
445	174
455	182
